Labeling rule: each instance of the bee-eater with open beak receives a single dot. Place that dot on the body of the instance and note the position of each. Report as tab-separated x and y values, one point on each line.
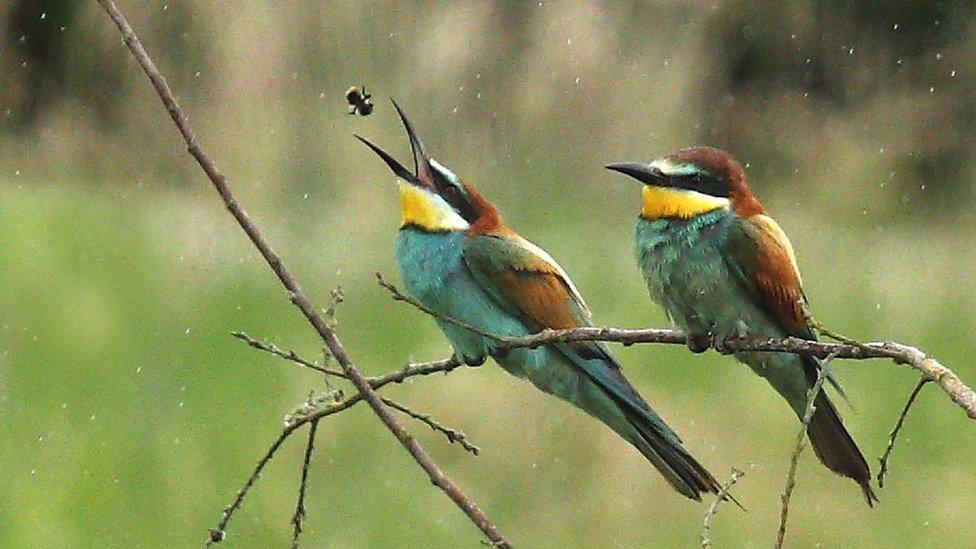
721	267
457	257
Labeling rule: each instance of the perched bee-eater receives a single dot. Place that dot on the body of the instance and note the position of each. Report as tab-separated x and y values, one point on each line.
457	257
721	267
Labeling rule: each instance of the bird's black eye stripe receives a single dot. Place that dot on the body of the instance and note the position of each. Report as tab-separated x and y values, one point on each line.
703	183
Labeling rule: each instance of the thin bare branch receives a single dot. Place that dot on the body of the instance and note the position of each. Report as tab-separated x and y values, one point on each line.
883	461
396	376
949	382
299	516
400	296
287	355
453	436
822	375
218	534
298	297
723	492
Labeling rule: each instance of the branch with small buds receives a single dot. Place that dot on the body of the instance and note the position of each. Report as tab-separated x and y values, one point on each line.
722	495
297	296
453	436
314	409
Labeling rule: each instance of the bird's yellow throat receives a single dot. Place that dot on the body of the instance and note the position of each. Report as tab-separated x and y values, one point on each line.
663	202
425	210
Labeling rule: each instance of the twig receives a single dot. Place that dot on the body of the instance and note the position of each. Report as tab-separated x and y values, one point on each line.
396	376
451	434
287	355
734	477
822	375
399	296
218	534
333	310
299	515
949	382
883	461
312	412
298	297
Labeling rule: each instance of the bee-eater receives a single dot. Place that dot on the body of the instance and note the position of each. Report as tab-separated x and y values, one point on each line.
457	257
721	267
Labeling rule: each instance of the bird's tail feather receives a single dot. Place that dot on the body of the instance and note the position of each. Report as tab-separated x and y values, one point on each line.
835	447
643	427
678	467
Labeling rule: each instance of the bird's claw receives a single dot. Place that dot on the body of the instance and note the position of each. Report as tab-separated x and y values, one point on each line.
698	343
719	343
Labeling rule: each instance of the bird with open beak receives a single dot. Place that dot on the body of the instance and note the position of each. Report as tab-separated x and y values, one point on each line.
457	257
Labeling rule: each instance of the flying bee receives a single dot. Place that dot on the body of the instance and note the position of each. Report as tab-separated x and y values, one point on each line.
359	102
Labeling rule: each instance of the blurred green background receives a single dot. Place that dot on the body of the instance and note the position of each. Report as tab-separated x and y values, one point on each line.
130	417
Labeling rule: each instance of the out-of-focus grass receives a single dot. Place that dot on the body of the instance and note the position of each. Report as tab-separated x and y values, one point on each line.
131	416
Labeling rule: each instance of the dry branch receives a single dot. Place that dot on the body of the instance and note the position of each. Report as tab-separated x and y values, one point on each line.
723	493
801	436
950	383
453	435
883	461
298	297
299	517
218	534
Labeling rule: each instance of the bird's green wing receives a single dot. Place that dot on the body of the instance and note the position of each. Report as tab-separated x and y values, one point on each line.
759	253
525	281
529	285
761	256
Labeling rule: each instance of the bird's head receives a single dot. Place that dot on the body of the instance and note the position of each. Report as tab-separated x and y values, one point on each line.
433	199
691	182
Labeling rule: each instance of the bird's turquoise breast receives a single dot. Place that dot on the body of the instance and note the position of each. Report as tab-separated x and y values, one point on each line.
434	272
685	271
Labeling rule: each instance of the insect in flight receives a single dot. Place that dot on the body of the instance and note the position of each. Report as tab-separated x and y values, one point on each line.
359	102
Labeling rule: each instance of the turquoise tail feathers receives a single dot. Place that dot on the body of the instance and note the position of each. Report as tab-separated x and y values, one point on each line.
647	431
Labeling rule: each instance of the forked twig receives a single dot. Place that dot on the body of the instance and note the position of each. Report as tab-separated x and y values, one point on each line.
453	435
723	492
299	516
298	297
219	533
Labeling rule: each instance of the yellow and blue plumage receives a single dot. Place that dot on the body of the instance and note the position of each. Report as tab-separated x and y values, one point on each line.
720	267
457	257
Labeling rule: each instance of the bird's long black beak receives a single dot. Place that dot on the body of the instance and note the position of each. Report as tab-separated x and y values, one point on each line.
421	162
644	173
